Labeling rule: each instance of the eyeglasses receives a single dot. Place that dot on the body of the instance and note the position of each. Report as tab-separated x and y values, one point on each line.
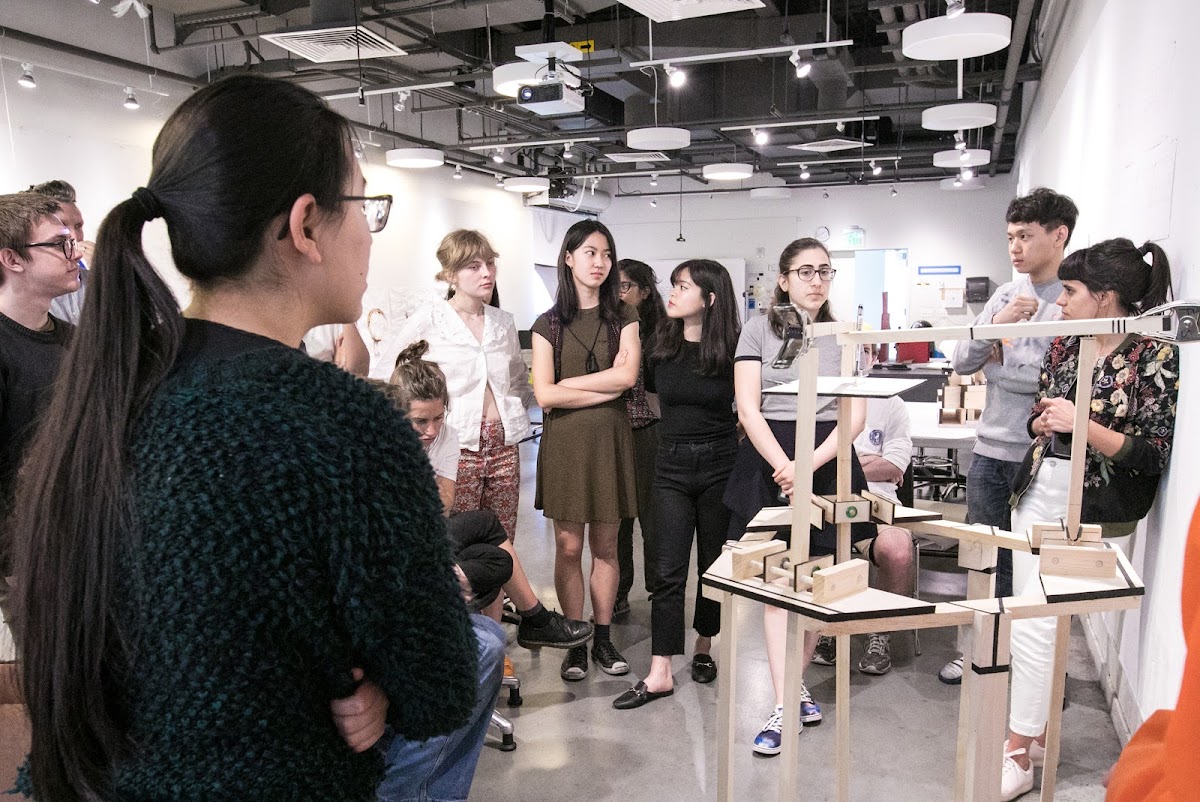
626	286
376	208
807	273
68	246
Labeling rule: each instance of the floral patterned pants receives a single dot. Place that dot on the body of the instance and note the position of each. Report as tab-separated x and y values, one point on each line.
490	478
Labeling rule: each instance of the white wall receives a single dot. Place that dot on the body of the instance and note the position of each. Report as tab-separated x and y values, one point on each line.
937	227
1113	125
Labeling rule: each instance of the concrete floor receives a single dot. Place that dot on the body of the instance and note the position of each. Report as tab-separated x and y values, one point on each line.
573	745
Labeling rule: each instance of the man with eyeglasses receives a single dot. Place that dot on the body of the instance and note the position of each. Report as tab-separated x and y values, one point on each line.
39	261
67	307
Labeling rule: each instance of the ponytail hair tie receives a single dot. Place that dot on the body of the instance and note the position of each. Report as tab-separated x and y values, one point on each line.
150	205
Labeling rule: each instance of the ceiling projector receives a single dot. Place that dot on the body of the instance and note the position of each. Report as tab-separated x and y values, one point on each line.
551	97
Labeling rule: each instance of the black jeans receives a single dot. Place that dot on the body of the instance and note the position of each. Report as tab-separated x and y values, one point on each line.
688	485
645	445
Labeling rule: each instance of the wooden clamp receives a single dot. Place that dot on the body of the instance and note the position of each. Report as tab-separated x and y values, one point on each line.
1088	533
748	559
849	511
839	581
1080	558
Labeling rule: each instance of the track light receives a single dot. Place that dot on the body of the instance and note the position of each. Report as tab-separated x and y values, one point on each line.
131	102
875	168
27	80
825	195
955	7
499	180
804	174
894	192
760	137
841	126
498	156
963	155
675	76
654	179
401	99
458	172
358	151
567	154
957	181
967	174
653	203
803	68
959	142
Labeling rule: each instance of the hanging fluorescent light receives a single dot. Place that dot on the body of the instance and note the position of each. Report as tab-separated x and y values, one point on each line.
955	7
415	158
803	68
527	183
958	116
728	171
675	76
968	157
804	174
27	80
962	36
664	138
131	102
760	137
875	168
458	172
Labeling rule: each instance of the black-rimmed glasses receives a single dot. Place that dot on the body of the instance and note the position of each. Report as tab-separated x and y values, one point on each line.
69	247
807	273
375	207
626	286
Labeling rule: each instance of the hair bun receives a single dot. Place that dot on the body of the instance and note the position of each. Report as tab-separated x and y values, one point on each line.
413	353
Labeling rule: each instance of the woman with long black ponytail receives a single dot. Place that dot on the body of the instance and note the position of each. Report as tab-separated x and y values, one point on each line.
214	533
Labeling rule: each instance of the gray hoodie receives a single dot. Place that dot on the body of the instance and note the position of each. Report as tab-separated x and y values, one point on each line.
1012	380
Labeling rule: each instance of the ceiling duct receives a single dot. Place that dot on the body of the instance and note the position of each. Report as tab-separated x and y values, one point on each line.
334	35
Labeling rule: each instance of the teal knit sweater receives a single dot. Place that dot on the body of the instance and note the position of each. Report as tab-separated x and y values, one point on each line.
288	530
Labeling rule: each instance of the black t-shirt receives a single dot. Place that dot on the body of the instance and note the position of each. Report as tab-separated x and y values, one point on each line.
29	363
695	408
205	341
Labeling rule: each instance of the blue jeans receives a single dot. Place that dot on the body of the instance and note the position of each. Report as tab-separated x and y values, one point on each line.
441	769
990	484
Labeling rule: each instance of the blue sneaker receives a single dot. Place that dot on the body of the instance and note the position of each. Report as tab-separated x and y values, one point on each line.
768	740
810	711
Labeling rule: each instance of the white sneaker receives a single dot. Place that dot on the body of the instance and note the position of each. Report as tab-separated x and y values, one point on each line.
1015	781
952	672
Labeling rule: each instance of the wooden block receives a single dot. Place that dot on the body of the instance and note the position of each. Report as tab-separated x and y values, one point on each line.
974	397
1088	533
977	556
956	380
745	558
882	509
1061	558
952	396
948	415
844	579
826	505
853	510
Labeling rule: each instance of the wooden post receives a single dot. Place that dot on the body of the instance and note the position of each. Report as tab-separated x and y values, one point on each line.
789	776
844	442
726	698
1054	723
842	733
1083	401
806	411
985	680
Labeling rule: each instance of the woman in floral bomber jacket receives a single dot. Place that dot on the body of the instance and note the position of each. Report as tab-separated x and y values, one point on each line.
1132	422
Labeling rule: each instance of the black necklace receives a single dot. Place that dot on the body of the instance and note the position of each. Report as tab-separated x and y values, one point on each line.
590	365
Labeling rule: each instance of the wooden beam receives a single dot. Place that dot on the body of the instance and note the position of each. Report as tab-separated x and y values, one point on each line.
1088	348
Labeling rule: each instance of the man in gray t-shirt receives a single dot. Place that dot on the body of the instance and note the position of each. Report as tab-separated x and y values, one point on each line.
1039	228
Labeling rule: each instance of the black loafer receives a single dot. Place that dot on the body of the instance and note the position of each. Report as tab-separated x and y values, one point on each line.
704	670
638	696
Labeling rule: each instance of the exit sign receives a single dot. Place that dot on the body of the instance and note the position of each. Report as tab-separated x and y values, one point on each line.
586	46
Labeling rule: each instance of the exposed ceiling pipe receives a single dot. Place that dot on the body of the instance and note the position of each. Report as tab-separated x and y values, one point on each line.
14	35
1016	46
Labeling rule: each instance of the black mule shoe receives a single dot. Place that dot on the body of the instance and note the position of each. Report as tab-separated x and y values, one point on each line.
638	696
704	670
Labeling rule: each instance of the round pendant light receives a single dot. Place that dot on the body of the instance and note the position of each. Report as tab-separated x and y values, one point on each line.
658	138
770	193
958	116
527	183
507	79
415	158
953	38
953	159
728	171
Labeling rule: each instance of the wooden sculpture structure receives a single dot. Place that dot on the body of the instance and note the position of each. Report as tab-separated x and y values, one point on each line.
1080	573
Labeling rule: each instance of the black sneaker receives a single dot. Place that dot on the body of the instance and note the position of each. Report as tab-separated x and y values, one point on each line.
608	658
826	652
575	664
559	632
